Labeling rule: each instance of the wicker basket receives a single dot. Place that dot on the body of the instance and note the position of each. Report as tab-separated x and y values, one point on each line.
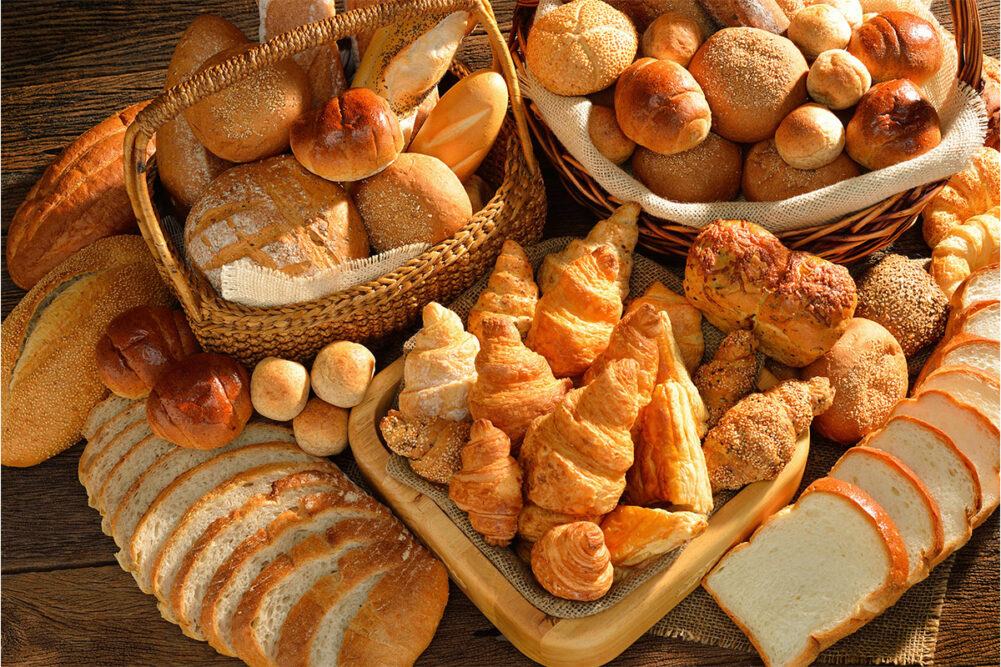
843	241
370	312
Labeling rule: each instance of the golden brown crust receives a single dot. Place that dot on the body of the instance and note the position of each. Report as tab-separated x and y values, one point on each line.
767	177
672	36
966	193
686	320
898	45
534	521
444	458
606	135
708	172
635	535
571	561
511	292
644	12
893	122
959	318
946	346
729	376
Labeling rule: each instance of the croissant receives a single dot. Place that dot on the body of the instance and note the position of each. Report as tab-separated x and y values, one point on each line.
571	561
488	486
513	384
966	248
966	194
686	320
575	458
510	291
574	320
756	438
534	521
619	231
669	466
440	369
634	534
730	376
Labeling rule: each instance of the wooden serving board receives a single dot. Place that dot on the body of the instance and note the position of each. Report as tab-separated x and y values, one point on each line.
556	642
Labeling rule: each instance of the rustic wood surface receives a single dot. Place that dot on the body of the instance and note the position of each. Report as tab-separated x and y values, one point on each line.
69	64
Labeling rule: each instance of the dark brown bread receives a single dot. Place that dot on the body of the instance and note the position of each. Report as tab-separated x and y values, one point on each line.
892	123
767	177
897	45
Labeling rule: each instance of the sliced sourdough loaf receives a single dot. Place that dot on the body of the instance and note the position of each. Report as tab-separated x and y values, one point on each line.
101	413
981	319
110	455
945	471
142	455
971	431
967	386
904	498
136	412
984	284
812	573
965	350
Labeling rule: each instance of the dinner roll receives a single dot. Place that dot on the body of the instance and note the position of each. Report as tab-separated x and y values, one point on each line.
752	79
279	388
607	136
349	138
819	28
810	137
892	123
416	199
659	105
580	47
837	79
672	36
850	9
708	172
868	373
321	429
898	45
342	372
767	177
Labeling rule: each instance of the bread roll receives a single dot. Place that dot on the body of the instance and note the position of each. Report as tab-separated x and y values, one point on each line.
660	106
349	138
643	12
274	214
342	372
837	79
672	36
201	402
818	28
810	137
417	199
580	47
991	95
764	14
250	120
892	123
898	45
279	388
752	79
321	429
868	372
850	9
606	135
767	177
708	172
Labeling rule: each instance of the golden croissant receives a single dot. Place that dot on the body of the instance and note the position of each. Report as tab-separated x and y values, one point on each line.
574	320
730	376
575	459
967	247
440	369
756	438
488	486
635	535
571	561
619	231
686	320
669	466
534	521
966	194
510	291
514	385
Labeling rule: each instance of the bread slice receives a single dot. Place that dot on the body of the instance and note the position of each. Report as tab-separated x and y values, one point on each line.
110	455
984	284
101	413
136	412
947	473
971	432
968	386
965	350
982	319
812	573
142	455
904	498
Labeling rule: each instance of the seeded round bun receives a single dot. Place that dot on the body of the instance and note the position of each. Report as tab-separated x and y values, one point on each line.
767	177
837	79
708	172
810	137
672	36
819	28
850	9
607	136
752	79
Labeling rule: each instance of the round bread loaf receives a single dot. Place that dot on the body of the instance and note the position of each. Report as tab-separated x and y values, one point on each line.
818	28
606	135
349	138
417	199
868	373
898	45
850	9
837	79
342	372
810	137
659	105
321	429
672	36
279	388
892	123
767	177
250	120
752	79
580	47
274	214
708	172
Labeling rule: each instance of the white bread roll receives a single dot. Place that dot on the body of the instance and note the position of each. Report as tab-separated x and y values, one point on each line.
810	137
321	429
279	388
342	372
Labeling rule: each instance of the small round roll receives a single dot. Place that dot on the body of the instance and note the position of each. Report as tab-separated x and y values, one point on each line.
898	45
810	137
767	177
672	36
321	429
837	79
342	372
708	172
850	9
819	28
279	388
606	135
892	123
349	138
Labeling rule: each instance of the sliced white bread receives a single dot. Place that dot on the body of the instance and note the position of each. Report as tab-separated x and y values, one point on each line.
101	413
142	455
110	455
971	431
981	319
945	471
969	387
904	498
812	573
984	284
136	412
965	350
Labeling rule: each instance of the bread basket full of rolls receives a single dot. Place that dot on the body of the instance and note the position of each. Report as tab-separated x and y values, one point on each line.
830	122
312	210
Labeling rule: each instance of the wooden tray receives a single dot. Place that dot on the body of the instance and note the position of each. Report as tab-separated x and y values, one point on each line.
556	642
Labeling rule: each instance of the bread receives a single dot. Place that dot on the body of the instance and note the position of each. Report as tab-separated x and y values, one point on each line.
661	107
752	79
964	350
479	192
767	177
672	36
79	199
321	429
341	373
103	412
644	12
604	132
967	386
968	246
837	79
200	402
535	521
898	45
50	378
206	36
850	9
981	285
822	592
107	426
981	319
818	28
107	448
347	138
416	199
686	320
991	95
893	122
810	137
511	292
708	172
110	491
729	376
444	458
636	535
580	48
898	294
273	214
571	561
462	127
966	194
763	14
279	388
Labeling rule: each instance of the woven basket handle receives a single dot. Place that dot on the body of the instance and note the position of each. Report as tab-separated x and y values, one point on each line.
969	41
171	103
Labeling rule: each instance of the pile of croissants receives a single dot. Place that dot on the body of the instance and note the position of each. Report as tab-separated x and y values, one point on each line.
570	423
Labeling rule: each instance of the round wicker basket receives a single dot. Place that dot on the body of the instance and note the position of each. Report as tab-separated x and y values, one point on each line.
844	241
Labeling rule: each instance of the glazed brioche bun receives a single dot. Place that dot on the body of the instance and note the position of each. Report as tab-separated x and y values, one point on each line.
351	137
708	172
819	28
606	135
810	137
837	79
767	177
672	36
892	123
898	45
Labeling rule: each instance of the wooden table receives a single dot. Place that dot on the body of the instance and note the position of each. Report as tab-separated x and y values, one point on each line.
69	64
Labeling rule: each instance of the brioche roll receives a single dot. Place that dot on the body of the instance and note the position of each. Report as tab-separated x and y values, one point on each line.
898	45
892	123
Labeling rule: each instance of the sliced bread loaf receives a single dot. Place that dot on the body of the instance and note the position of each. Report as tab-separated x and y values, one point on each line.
967	386
142	455
110	455
984	284
981	319
101	413
136	412
965	350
